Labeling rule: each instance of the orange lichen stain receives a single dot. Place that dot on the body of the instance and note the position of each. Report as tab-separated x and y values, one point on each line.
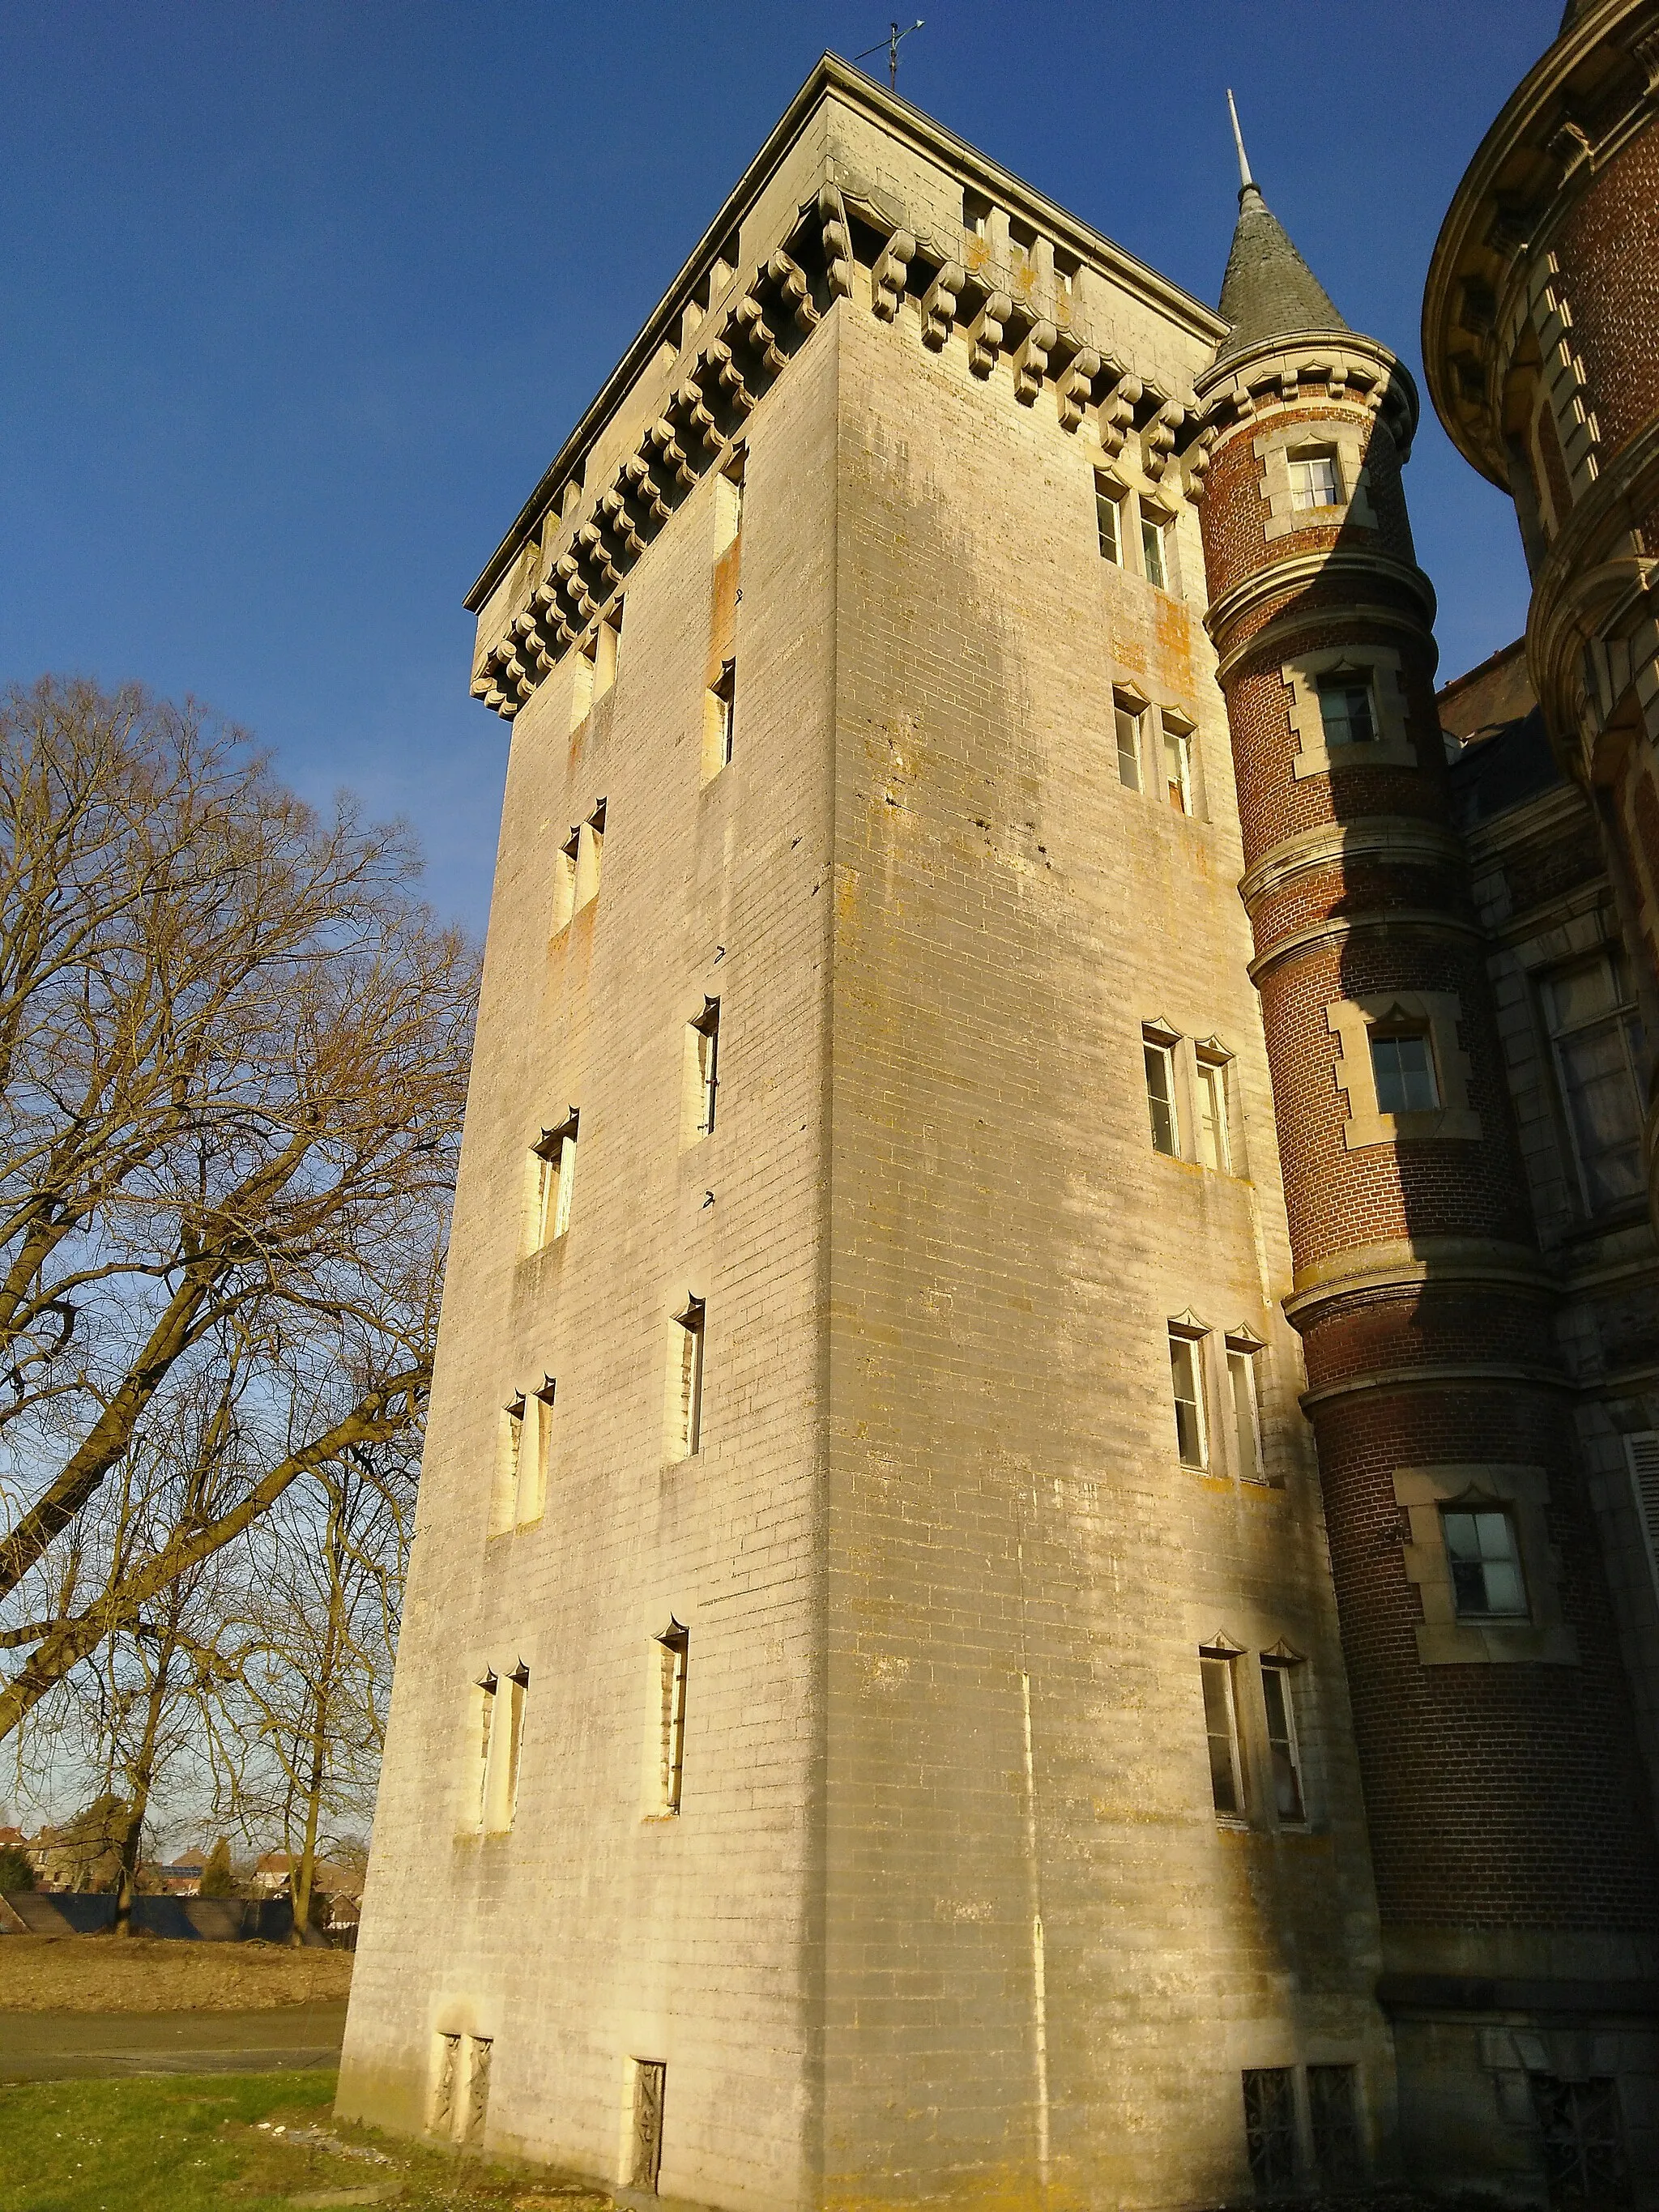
847	894
1175	643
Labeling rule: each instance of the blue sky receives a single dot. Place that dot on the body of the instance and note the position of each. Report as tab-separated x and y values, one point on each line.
298	300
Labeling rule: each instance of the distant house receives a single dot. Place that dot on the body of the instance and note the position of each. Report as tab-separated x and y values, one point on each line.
329	1879
180	1877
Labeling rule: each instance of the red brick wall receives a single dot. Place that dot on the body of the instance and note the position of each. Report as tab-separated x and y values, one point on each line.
1608	246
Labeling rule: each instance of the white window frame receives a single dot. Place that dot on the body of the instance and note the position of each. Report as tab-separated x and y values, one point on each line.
1242	1353
1283	1669
1218	1662
1212	1072
1621	1018
1158	1041
1190	1335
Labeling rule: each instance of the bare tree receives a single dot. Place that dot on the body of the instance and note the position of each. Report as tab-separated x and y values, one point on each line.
232	1060
316	1668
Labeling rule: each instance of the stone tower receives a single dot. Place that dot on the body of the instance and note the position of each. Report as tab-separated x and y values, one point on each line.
1506	1806
870	1724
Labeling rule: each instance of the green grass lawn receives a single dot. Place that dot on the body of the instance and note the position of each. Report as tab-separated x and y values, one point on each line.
195	2143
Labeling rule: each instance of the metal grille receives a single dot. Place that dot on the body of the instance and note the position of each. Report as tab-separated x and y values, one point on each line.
1334	2118
1270	2127
1584	2163
648	2082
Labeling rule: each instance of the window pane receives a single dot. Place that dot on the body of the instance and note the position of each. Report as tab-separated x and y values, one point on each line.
1277	1696
1216	1676
1486	1565
1313	481
1106	517
1176	769
1188	1407
1580	994
1241	1375
1604	1109
1344	708
1151	550
1405	1075
1160	1098
1213	1113
1128	747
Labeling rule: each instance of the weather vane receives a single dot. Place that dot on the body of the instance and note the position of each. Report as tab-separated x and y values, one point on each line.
892	42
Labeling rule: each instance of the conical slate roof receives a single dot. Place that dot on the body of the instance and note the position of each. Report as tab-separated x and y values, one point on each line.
1269	290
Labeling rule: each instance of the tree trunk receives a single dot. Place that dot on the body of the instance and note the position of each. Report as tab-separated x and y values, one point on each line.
141	1775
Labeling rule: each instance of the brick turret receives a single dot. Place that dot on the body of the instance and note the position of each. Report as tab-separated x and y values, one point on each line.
1505	1806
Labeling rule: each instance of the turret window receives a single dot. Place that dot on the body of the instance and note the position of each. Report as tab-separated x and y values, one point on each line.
1403	1063
1348	709
1314	480
1486	1565
1108	520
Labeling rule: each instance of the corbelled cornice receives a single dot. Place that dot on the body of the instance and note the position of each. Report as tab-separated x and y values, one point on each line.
1574	110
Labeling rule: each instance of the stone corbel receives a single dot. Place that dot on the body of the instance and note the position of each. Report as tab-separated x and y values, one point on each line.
556	628
837	242
1117	414
594	551
731	377
1031	361
691	407
661	435
1077	384
1195	463
1158	438
1569	144
750	319
892	272
939	305
643	486
574	585
985	334
1645	51
622	523
795	293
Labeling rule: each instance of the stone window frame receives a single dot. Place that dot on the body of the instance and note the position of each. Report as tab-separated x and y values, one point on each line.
1444	1639
1392	746
1275	449
1352	1021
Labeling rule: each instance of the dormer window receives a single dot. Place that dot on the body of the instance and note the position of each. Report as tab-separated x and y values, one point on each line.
1314	478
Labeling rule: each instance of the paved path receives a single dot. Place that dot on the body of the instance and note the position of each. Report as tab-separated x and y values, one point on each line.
46	2046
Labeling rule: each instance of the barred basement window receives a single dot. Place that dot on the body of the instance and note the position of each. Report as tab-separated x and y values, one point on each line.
1270	2127
1402	1066
1314	478
1128	720
556	1175
1109	520
1158	1053
1641	1454
1280	1698
1221	1727
477	2108
676	1646
1585	2158
1338	2147
1186	1375
1485	1564
1346	708
685	1436
446	2073
650	2076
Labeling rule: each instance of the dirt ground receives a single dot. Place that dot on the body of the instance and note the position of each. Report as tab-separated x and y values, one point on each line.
100	1973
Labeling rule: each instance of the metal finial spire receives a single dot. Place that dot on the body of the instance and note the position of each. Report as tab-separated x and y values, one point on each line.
1245	179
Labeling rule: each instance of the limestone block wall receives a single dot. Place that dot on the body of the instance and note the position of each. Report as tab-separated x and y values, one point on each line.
590	1935
1046	1959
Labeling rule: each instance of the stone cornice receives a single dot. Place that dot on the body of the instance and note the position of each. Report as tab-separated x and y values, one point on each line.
1389	837
1433	1263
1351	367
1574	109
1591	579
1297	571
832	75
1337	928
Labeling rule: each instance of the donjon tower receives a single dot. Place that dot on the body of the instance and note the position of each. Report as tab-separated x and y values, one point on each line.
885	1712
